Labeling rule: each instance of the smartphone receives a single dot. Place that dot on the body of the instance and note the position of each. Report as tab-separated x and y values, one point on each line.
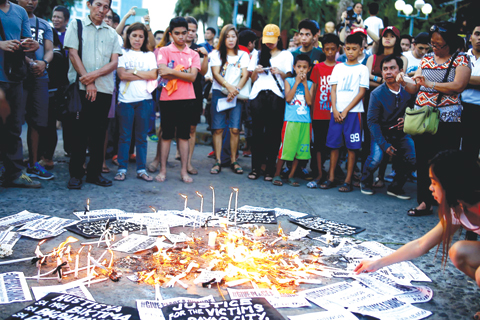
141	12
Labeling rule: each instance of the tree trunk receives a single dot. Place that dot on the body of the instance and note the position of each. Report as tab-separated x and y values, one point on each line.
213	14
342	6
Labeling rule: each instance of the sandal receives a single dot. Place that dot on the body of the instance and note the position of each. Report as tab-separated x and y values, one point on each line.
120	176
186	179
160	177
379	183
144	176
277	181
313	184
414	212
193	171
152	167
327	185
346	187
236	168
254	175
214	169
105	169
268	177
292	182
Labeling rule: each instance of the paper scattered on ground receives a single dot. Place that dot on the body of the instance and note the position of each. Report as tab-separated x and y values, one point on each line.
41	234
134	243
20	218
74	289
52	224
103	214
158	230
152	309
298	233
174	238
207	276
13	288
9	240
326	315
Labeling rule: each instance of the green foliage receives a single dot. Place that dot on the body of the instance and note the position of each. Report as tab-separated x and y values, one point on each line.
45	7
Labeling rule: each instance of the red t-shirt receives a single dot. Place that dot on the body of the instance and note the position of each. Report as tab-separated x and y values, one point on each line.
321	76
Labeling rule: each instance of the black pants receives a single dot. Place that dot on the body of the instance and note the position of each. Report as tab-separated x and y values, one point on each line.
267	111
10	132
49	138
471	129
426	147
89	129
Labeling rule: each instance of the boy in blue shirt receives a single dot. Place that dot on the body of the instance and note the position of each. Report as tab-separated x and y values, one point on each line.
297	122
349	81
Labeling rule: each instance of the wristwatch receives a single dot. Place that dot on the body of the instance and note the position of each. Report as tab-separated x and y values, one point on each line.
46	64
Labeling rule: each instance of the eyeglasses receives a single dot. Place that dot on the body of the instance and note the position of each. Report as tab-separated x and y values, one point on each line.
109	17
436	46
436	28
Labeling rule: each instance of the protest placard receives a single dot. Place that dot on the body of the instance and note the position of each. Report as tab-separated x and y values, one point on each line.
152	309
391	308
52	224
95	228
10	239
41	234
250	215
324	225
75	289
56	305
13	288
103	214
134	243
326	315
158	230
252	309
20	218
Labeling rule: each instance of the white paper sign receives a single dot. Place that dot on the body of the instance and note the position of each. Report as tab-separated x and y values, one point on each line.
152	309
326	315
103	214
13	288
392	308
74	289
207	276
52	224
288	302
134	243
157	230
10	239
298	233
174	238
423	294
20	218
41	234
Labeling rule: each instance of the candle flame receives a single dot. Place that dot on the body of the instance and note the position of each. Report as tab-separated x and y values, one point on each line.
80	250
153	209
212	188
184	196
42	242
88	201
234	189
199	194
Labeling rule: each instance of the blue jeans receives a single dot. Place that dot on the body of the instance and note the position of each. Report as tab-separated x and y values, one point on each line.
127	114
404	159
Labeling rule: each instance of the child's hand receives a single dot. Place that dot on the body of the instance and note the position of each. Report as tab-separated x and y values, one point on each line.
298	78
344	115
337	116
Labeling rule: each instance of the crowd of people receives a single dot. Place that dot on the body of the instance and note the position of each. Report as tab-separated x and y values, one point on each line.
340	94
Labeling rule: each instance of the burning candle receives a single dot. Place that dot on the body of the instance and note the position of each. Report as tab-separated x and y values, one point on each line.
153	209
201	200
88	204
213	200
212	236
77	258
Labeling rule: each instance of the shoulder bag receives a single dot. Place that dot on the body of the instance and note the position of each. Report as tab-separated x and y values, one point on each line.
232	74
14	64
72	94
425	119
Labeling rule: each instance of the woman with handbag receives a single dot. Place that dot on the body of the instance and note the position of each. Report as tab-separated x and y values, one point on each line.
443	74
137	70
229	70
269	69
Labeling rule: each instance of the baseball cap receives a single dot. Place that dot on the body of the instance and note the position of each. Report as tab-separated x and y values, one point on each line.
393	29
355	30
271	32
423	38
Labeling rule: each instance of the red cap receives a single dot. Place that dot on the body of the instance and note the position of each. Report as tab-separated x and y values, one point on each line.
393	29
359	30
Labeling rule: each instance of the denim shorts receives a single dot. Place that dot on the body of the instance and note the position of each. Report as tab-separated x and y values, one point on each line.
219	119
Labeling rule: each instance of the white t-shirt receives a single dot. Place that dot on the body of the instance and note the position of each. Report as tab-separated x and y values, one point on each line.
472	95
216	61
374	24
136	90
413	63
283	61
349	79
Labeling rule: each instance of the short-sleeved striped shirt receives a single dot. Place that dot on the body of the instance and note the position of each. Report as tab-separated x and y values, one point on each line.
450	105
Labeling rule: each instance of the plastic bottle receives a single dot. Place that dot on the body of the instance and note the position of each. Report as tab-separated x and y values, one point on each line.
163	82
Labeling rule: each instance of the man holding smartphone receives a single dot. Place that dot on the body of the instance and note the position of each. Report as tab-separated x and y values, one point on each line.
385	120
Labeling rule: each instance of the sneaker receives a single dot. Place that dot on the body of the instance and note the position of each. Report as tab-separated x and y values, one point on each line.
390	177
23	182
305	175
365	189
153	138
399	193
37	171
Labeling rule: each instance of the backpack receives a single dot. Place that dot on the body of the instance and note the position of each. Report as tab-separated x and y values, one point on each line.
58	68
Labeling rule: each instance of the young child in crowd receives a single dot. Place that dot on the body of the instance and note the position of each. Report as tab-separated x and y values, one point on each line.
349	81
297	122
321	111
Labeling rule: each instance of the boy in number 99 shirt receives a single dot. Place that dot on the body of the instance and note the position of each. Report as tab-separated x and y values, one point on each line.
297	122
349	83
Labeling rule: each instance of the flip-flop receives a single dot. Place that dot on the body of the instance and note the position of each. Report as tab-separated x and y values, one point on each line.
292	182
414	212
216	171
346	187
254	175
277	181
105	169
160	178
120	176
313	184
268	177
152	168
192	172
327	185
186	179
144	176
